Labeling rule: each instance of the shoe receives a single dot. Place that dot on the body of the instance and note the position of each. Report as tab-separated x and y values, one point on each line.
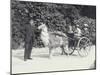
25	59
30	58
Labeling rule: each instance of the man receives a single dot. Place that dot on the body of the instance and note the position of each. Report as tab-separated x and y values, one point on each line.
70	34
77	34
29	39
77	31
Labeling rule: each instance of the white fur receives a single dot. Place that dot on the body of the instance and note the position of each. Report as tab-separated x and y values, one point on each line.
52	39
44	34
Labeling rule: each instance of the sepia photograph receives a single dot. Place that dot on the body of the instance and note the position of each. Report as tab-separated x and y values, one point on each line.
52	37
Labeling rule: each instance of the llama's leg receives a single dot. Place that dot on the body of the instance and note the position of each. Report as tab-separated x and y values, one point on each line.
50	52
62	52
62	49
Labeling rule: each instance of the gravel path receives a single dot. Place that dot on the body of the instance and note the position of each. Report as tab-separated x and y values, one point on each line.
41	62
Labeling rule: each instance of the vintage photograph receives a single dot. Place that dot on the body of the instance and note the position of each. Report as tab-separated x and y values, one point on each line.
52	37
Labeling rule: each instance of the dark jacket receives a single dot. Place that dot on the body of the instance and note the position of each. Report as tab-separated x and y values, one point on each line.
29	33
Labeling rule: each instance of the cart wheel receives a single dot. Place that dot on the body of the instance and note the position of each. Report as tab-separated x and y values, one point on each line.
68	51
84	46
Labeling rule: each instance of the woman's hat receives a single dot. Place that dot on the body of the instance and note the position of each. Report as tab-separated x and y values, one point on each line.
77	25
86	25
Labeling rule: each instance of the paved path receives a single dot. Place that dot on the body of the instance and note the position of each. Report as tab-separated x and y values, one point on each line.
42	63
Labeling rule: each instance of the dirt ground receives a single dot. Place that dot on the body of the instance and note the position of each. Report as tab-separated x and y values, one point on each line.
42	63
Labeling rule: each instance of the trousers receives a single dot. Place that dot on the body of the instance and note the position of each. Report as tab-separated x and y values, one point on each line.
28	50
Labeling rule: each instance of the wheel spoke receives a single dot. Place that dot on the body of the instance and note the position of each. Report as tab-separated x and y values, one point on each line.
84	45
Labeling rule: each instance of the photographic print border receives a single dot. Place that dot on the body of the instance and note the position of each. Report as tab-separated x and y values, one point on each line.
48	71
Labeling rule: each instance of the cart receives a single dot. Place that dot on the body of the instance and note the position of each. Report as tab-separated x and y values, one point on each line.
83	46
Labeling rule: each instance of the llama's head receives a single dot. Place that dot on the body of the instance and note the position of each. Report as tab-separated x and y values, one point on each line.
42	27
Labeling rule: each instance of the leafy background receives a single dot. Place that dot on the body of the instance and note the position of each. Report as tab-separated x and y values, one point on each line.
56	16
